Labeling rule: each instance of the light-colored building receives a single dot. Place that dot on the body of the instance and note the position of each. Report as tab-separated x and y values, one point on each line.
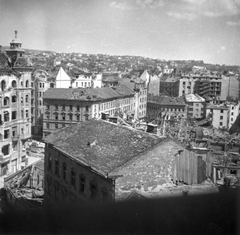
196	106
219	115
65	107
62	79
230	87
154	85
15	111
233	113
186	85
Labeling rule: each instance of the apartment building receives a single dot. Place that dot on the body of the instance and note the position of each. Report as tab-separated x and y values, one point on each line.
186	85
15	111
196	106
169	85
65	107
41	81
219	114
158	106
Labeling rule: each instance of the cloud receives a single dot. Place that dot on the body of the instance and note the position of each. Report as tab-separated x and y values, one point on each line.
120	5
233	23
207	8
152	4
178	15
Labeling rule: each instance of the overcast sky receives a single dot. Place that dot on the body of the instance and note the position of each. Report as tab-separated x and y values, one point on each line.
206	30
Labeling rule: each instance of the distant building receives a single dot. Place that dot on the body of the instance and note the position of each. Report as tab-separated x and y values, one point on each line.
169	86
62	79
40	83
196	106
158	106
15	111
230	87
154	85
208	86
219	115
98	161
139	87
68	106
186	85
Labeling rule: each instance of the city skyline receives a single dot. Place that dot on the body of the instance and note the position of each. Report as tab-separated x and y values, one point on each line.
205	30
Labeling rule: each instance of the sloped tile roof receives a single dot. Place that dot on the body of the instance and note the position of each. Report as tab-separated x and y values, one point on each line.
101	145
91	94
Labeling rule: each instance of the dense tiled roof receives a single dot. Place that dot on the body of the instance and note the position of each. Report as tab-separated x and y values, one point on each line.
128	83
92	94
101	145
165	100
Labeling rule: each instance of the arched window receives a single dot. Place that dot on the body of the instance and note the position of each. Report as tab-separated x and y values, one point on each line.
14	84
3	85
27	83
6	101
14	99
27	98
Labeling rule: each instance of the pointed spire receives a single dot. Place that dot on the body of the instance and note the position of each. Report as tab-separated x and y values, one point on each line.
15	33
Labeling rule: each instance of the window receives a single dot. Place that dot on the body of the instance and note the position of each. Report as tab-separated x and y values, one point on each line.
73	178
14	131
49	162
3	85
56	126
220	123
87	109
57	167
56	117
78	118
6	134
47	125
232	113
6	116
70	107
78	108
27	114
14	99
14	115
64	169
82	182
221	111
93	190
27	98
70	117
14	84
63	107
27	83
63	117
221	117
56	107
6	101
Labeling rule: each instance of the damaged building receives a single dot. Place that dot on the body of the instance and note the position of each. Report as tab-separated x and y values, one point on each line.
99	161
24	189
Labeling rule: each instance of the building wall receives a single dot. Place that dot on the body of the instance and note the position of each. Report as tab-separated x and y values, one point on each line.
39	84
154	85
152	171
62	79
60	113
83	81
220	117
196	109
233	114
186	85
15	125
169	88
154	109
230	87
62	189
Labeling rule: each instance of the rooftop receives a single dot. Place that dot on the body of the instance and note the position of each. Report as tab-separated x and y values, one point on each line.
166	100
92	94
101	145
194	98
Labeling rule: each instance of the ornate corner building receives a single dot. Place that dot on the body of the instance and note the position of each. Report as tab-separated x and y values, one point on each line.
15	107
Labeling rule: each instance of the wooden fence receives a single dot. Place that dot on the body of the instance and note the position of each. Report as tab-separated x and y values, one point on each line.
191	168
